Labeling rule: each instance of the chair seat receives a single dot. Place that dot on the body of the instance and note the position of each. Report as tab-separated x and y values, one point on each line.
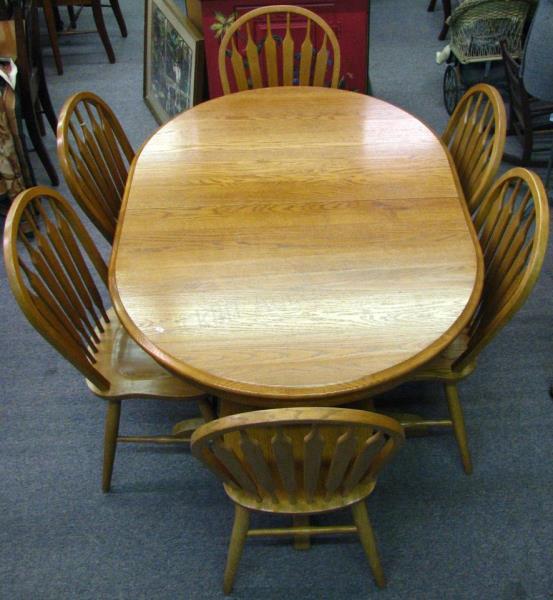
440	367
540	113
131	371
319	504
540	107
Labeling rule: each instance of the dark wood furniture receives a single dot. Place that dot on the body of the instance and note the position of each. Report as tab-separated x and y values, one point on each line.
52	22
446	5
32	87
529	118
17	173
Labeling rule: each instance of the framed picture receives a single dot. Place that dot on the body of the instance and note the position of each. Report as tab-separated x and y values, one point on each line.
173	60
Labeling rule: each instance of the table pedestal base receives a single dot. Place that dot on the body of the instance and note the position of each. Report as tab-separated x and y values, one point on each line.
183	430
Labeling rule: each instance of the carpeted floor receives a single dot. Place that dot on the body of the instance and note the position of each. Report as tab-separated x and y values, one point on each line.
163	531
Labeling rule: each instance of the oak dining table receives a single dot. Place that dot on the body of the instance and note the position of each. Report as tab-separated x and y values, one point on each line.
294	246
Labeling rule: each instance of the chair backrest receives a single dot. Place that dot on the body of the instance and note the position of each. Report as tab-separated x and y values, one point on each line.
279	50
292	459
537	66
95	156
512	224
6	10
519	100
475	135
50	260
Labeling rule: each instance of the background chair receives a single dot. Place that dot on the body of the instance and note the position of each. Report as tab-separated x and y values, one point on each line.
512	224
528	117
52	22
446	5
16	172
298	461
51	277
475	135
537	66
31	82
95	155
275	39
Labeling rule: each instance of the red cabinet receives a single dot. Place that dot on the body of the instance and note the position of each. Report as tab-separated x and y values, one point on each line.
349	20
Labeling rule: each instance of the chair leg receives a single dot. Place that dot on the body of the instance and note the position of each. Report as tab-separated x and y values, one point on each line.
101	26
527	145
51	24
39	117
237	540
456	414
110	441
31	120
72	17
46	102
549	166
301	542
366	535
59	22
41	86
447	13
119	17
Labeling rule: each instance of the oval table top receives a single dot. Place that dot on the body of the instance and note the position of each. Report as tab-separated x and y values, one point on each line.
294	245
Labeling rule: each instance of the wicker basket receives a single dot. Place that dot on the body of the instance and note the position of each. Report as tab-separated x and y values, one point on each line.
477	26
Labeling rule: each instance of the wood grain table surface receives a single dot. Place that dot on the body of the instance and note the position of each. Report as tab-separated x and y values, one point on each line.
294	246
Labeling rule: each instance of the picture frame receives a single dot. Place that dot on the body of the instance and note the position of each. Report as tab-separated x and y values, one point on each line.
173	60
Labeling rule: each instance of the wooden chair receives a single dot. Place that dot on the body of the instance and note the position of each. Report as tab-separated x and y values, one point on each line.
475	136
274	39
31	82
52	23
512	224
298	461
52	275
528	117
95	155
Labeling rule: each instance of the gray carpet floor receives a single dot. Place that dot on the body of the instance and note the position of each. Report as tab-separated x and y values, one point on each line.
163	531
